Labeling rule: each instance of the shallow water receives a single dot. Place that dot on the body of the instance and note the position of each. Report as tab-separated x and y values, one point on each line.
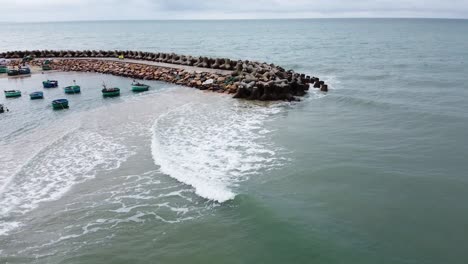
372	172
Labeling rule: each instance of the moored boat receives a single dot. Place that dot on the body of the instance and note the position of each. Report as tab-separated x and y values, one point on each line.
110	92
72	89
3	69
139	87
46	65
13	72
60	104
12	93
36	95
20	71
24	71
50	84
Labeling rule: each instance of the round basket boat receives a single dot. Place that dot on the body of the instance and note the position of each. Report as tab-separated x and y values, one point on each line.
12	93
13	72
60	104
110	92
139	87
50	84
36	95
74	89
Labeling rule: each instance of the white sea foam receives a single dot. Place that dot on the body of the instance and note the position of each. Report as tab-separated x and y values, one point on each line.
52	172
214	146
5	227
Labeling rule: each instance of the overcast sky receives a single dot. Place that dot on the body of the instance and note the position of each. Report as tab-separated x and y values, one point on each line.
69	10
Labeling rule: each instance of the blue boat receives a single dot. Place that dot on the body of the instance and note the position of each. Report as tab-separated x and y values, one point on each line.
60	104
50	84
24	71
36	95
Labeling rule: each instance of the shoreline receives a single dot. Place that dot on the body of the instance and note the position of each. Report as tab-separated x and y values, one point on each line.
244	79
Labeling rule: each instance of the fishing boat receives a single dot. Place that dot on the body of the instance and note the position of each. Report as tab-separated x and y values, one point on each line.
13	72
50	84
139	87
73	89
24	71
60	104
3	69
12	93
110	92
27	59
46	65
36	95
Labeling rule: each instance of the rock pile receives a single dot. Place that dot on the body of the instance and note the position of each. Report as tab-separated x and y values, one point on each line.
246	79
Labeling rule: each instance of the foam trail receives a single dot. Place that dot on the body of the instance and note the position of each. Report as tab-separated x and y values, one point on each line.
51	173
215	146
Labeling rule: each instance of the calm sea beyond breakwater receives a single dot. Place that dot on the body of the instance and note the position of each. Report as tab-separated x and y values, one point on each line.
372	171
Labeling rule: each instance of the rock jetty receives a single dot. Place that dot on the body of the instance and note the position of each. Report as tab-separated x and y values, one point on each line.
244	79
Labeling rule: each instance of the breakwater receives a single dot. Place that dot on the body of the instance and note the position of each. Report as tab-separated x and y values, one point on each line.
243	78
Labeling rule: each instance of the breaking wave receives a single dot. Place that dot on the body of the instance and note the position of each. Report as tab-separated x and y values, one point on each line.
214	146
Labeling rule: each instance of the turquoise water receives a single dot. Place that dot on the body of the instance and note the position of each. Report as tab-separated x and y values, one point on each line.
372	172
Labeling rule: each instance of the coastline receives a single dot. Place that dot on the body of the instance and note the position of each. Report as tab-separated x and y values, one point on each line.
244	79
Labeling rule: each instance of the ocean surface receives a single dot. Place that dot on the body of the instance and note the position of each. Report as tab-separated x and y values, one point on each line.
375	171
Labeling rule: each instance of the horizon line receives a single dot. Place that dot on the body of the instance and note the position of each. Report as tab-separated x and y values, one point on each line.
231	19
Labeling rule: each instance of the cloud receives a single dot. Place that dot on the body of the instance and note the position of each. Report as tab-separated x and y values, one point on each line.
44	10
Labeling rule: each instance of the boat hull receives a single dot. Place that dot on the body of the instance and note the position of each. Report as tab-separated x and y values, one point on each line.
72	89
13	73
13	94
37	95
140	88
60	104
50	84
112	93
24	71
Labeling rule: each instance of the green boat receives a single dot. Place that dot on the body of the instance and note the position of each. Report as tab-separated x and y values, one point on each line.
12	93
139	87
74	89
110	92
13	72
46	66
60	104
3	69
27	59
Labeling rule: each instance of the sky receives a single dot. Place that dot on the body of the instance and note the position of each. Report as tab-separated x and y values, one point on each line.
72	10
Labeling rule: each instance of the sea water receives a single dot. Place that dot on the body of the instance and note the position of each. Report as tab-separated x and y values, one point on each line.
374	171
